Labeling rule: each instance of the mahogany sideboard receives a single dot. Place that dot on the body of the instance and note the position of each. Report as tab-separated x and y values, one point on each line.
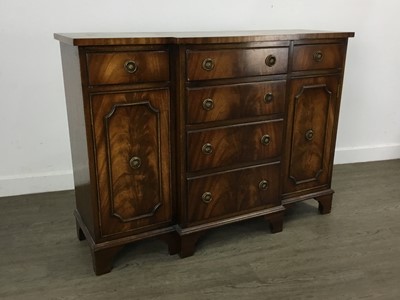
176	133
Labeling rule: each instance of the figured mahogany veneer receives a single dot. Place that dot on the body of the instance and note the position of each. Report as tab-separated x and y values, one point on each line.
137	66
236	101
319	56
234	145
228	63
131	136
236	191
176	133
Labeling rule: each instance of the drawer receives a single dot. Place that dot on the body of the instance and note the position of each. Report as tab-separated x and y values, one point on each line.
233	192
227	146
232	63
127	67
235	101
319	56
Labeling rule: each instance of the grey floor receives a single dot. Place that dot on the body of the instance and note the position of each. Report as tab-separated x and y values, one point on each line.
353	253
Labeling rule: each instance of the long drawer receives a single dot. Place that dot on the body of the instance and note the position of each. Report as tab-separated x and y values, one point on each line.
235	63
221	195
228	102
227	146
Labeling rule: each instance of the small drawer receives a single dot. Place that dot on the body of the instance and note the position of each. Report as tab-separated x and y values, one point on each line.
235	101
127	67
223	195
319	56
228	146
233	63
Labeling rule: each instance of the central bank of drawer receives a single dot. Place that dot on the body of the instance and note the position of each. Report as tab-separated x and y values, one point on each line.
235	63
228	146
235	101
221	195
127	67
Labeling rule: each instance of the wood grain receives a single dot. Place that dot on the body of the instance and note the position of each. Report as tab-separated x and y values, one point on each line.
234	145
108	67
350	254
312	106
233	192
231	102
126	125
164	119
233	63
190	37
332	56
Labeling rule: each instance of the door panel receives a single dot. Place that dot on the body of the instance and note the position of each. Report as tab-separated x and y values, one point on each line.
310	132
132	157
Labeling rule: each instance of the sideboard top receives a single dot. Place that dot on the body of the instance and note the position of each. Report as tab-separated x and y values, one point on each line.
201	37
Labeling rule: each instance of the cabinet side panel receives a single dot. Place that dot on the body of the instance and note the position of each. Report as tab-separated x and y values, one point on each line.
77	132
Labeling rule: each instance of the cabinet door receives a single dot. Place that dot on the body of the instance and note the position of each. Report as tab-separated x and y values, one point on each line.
131	144
311	132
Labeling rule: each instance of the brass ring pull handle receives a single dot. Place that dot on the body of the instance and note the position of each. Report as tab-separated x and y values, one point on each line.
208	64
135	162
206	197
268	97
318	56
309	135
270	60
207	148
265	139
263	185
208	104
130	66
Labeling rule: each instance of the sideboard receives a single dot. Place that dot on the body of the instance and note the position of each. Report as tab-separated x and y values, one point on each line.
176	133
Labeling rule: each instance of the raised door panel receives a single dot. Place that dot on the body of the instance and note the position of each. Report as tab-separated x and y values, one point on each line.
310	136
131	133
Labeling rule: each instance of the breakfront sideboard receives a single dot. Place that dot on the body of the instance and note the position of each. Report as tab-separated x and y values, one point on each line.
176	133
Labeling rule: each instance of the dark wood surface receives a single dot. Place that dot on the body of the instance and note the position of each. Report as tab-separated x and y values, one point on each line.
184	132
233	192
331	56
108	67
128	125
351	253
201	37
234	63
80	139
312	106
234	145
235	101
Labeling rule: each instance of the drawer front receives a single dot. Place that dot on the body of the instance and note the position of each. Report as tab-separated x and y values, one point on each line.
225	194
235	101
220	147
232	63
127	67
320	56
